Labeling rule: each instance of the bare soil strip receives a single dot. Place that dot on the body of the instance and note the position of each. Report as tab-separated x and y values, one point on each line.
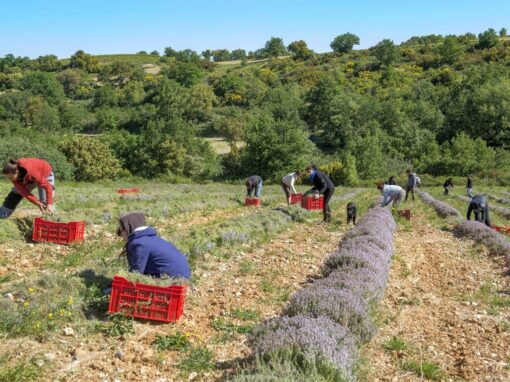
447	304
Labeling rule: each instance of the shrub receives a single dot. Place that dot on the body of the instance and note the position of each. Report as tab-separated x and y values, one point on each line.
92	159
308	344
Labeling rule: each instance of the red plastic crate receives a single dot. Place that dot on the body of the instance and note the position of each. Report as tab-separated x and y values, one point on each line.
500	229
296	198
128	191
252	201
310	203
405	213
60	233
150	302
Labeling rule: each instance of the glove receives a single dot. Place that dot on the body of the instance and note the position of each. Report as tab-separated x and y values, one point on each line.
316	196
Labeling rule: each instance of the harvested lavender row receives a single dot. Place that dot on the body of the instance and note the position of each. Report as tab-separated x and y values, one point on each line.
505	212
497	244
324	324
498	199
444	210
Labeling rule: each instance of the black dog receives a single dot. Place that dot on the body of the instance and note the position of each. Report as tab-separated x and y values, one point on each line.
351	212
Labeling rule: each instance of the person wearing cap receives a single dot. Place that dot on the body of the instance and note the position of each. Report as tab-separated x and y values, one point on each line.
147	253
480	207
288	184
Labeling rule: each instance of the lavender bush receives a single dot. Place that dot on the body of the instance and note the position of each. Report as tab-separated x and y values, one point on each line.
341	305
498	199
308	343
367	282
497	244
444	210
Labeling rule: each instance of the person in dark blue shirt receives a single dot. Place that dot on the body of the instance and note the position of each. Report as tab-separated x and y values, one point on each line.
322	185
147	253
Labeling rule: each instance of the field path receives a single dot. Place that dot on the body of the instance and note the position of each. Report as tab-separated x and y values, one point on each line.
448	301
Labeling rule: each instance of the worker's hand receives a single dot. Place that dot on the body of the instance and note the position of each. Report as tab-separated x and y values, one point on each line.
316	196
49	209
41	206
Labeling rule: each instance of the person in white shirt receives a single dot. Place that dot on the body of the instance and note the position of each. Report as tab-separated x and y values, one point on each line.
391	193
288	184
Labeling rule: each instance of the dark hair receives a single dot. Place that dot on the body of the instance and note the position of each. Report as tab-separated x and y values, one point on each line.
311	167
408	171
392	177
380	185
299	173
11	167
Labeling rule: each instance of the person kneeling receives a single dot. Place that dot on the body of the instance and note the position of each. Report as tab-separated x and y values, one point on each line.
147	253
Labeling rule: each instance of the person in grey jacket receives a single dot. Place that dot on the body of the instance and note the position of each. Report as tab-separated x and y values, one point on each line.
253	184
480	207
391	194
411	183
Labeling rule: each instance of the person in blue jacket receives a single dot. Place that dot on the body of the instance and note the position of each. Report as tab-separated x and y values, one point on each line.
147	253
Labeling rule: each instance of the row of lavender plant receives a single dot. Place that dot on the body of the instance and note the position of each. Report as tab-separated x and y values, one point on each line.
505	212
444	210
496	243
498	199
324	325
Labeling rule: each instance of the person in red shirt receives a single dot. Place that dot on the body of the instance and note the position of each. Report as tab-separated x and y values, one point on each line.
27	174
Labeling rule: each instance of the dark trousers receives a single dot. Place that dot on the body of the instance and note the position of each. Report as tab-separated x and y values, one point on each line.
286	189
445	191
327	209
409	189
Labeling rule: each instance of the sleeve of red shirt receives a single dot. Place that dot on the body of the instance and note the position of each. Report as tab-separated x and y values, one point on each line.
22	189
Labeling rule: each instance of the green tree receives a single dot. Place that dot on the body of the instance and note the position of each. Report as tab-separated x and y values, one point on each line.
450	51
154	53
185	73
48	63
386	52
105	96
45	85
344	43
169	52
207	54
91	158
46	118
275	47
274	148
72	80
221	55
84	61
503	32
488	39
300	50
349	172
238	54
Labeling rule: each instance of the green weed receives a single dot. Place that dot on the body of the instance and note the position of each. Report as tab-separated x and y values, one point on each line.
223	325
198	360
119	325
245	314
20	371
425	369
396	345
179	342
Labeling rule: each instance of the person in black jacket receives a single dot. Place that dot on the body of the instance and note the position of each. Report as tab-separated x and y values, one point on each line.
448	185
321	185
391	181
480	207
253	184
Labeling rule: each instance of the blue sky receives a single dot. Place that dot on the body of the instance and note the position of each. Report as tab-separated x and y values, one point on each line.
37	27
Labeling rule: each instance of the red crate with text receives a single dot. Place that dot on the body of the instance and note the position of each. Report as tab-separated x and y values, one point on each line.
296	198
310	203
252	202
150	302
56	232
